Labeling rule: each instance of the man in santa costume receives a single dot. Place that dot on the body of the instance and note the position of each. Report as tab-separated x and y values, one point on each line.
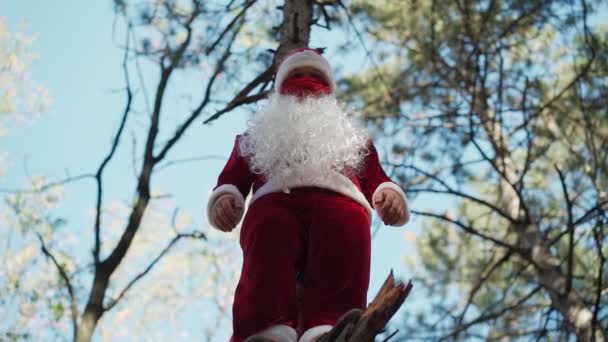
315	177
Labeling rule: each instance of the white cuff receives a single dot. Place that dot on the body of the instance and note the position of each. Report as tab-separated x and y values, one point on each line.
312	333
334	181
283	333
396	188
219	191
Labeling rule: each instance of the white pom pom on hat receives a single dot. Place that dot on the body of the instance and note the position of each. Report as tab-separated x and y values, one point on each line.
301	58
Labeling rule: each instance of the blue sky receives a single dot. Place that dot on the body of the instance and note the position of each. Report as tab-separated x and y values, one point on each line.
80	63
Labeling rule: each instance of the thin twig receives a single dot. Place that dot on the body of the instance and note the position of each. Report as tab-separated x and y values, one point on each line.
598	236
492	315
236	103
189	160
243	97
571	228
194	235
469	197
206	99
229	26
68	284
48	186
391	335
482	279
143	187
470	230
115	142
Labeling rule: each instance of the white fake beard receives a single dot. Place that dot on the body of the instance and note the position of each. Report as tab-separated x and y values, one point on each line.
313	136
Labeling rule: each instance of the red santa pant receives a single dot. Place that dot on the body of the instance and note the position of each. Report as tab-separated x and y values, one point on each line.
326	232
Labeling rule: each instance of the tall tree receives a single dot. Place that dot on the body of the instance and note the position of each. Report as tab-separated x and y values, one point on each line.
499	107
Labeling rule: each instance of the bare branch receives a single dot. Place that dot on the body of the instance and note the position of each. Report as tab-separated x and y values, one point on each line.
143	186
236	102
246	6
588	215
492	161
571	228
579	75
104	269
388	88
295	32
219	67
242	96
450	190
485	275
189	160
326	17
492	315
104	163
48	186
391	336
469	197
598	236
194	235
68	285
515	23
471	230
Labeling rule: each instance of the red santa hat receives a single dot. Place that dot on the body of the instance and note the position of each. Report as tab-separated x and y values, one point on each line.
301	58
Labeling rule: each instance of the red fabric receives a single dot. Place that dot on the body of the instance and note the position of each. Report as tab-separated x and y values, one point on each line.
371	175
317	227
237	172
305	86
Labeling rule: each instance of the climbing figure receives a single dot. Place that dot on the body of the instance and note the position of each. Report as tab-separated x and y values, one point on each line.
316	178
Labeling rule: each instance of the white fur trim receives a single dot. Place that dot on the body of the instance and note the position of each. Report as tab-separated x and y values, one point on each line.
221	190
396	188
283	333
334	181
315	332
300	59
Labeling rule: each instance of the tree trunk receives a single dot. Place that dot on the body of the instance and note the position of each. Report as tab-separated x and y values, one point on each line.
294	32
86	327
364	326
94	307
529	237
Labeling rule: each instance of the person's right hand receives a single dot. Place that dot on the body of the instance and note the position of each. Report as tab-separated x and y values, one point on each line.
227	212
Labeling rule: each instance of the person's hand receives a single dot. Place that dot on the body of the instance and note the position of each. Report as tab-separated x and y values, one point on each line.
227	212
390	206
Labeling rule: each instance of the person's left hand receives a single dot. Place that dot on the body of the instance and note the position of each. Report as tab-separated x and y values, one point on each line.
390	206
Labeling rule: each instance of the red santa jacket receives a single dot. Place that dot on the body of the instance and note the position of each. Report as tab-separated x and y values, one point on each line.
236	178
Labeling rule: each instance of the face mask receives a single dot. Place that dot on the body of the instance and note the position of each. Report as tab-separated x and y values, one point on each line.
305	86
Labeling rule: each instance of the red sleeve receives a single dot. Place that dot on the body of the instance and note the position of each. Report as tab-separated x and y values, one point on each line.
235	179
236	172
372	174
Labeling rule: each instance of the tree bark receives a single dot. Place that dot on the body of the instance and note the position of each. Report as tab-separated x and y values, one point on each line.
364	326
529	237
294	32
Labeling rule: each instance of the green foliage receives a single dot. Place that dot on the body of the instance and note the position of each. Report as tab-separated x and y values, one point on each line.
492	99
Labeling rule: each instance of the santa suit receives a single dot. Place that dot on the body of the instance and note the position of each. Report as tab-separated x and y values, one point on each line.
318	224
